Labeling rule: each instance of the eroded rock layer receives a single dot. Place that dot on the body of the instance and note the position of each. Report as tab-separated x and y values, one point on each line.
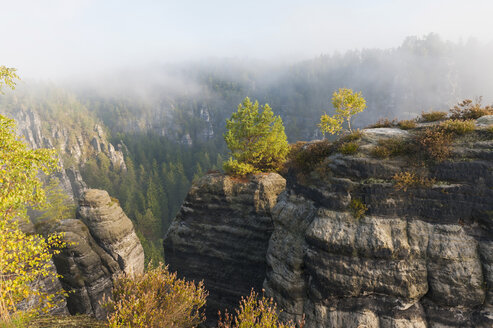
221	235
419	257
112	229
100	245
87	270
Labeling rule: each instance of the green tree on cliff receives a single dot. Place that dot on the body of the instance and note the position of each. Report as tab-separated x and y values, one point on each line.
256	140
347	104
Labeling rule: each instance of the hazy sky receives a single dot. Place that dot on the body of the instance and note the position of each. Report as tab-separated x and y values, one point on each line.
56	38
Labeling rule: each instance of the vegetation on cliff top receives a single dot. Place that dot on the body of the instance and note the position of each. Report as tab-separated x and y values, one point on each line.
347	104
256	140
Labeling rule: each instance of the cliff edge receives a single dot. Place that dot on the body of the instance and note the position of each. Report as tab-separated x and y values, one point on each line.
221	235
386	227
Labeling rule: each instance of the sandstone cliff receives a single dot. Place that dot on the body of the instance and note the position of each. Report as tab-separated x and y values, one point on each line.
101	244
420	257
350	246
112	229
221	234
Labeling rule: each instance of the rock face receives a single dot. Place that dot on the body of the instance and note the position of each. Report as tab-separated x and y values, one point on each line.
420	256
112	229
221	234
86	269
75	148
416	258
101	244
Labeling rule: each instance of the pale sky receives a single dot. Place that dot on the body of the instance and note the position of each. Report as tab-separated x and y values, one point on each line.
63	38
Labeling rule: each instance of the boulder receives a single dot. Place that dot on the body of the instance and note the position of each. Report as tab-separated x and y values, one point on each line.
486	120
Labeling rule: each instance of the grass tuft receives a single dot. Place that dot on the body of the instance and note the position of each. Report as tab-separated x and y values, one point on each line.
348	148
357	208
433	116
458	127
407	124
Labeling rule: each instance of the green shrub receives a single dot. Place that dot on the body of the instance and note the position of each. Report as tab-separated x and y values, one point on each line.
353	136
17	320
155	299
303	158
357	208
255	312
348	148
390	147
406	179
114	201
490	128
384	123
435	143
407	124
380	152
433	116
233	167
457	126
467	110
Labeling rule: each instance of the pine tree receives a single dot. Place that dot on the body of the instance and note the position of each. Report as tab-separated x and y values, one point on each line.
256	140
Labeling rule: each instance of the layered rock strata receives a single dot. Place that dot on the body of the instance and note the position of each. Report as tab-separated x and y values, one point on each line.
419	257
101	244
112	229
87	270
221	235
350	246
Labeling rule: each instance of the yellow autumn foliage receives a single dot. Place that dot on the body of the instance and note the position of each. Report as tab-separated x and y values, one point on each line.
24	259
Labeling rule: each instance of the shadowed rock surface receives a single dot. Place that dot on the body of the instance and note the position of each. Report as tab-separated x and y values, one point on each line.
221	234
87	270
416	258
101	245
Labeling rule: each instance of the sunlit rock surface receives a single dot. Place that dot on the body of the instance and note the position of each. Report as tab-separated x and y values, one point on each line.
112	229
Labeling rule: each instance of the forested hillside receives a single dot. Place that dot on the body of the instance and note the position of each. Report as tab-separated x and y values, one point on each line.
157	171
195	98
